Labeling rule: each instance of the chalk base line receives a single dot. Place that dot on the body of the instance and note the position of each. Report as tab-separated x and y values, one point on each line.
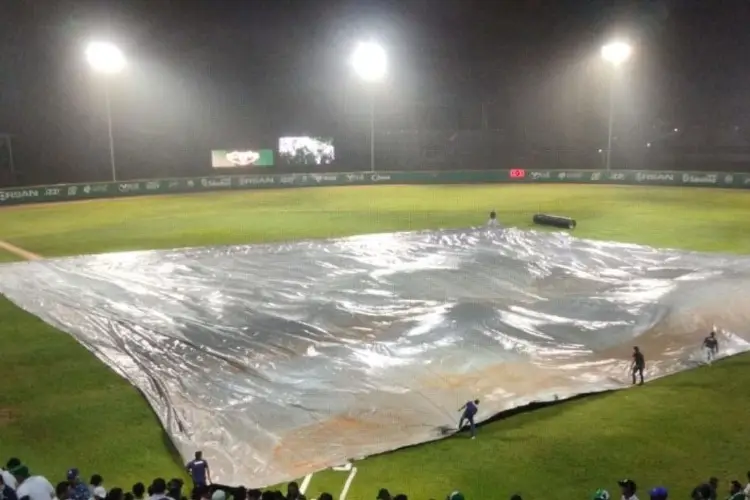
19	252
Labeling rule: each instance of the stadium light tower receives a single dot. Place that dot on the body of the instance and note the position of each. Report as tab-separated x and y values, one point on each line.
107	59
616	54
370	63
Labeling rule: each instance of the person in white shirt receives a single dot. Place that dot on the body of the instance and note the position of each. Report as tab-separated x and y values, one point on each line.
628	489
7	472
747	488
492	222
8	479
35	487
96	487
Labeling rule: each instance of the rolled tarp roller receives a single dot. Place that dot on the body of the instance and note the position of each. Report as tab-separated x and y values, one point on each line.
554	221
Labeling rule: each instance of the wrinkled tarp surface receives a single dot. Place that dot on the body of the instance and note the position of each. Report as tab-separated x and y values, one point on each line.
280	360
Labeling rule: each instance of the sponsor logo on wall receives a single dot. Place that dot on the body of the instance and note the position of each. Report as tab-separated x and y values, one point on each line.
129	187
654	176
19	194
95	188
355	178
256	181
320	178
214	182
536	175
700	179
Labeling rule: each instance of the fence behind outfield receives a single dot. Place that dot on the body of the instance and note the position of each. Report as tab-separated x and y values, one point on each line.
71	192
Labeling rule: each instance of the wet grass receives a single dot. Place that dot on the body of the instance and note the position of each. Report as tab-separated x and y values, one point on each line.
702	219
6	256
62	408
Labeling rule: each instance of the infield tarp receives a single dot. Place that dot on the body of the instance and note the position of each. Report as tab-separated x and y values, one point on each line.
279	360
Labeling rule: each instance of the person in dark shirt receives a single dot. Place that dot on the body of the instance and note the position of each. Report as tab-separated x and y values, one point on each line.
701	492
713	483
628	489
115	494
639	364
711	346
199	471
658	493
735	491
79	490
469	411
62	490
139	491
293	493
174	488
383	494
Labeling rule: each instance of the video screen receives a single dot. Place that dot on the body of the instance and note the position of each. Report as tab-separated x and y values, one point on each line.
306	150
241	158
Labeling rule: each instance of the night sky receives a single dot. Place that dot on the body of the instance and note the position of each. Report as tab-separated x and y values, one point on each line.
213	74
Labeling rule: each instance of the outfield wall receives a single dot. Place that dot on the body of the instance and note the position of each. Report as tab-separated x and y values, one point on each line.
71	192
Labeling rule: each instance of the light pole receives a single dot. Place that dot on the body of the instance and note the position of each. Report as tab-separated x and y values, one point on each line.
8	140
371	64
108	60
615	53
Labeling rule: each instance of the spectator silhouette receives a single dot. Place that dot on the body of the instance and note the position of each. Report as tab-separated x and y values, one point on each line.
293	493
139	491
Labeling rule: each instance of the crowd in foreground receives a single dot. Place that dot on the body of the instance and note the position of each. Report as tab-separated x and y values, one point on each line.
18	483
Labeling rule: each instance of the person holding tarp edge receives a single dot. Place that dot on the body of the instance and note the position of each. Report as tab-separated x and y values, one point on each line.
469	411
199	471
639	364
711	346
492	222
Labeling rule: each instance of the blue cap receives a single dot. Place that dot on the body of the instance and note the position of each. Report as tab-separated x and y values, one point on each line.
658	493
72	474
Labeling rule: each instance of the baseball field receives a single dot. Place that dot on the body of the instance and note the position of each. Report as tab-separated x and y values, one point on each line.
62	408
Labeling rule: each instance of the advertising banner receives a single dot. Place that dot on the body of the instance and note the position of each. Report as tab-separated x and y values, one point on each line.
258	180
241	158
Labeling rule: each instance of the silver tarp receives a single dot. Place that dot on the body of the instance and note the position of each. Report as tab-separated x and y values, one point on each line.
280	360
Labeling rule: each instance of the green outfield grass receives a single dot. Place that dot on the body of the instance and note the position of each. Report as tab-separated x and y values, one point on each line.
61	408
7	256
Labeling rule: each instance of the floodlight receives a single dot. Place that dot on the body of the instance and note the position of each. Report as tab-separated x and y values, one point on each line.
370	62
616	53
105	57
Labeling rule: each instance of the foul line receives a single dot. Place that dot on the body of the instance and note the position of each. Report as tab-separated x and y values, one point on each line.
348	484
305	483
19	252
